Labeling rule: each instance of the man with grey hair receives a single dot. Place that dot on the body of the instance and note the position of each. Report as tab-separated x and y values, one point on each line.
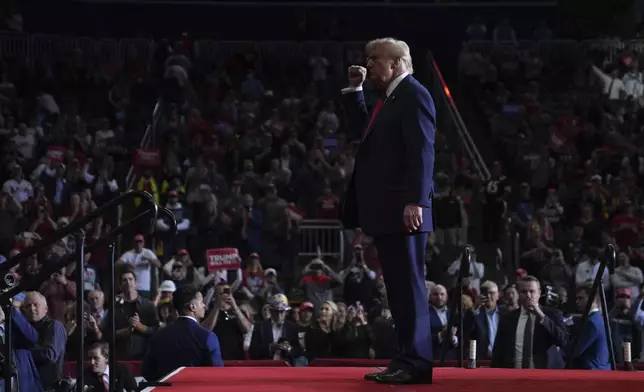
390	194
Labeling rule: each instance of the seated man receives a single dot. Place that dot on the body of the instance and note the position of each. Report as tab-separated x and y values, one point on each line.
276	338
184	342
97	376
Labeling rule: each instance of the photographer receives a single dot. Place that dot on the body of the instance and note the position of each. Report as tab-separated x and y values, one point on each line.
318	281
359	279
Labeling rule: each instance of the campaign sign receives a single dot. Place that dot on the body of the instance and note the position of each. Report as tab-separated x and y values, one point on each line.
223	259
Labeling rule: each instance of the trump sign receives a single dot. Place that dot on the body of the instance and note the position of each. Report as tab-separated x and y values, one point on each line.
223	259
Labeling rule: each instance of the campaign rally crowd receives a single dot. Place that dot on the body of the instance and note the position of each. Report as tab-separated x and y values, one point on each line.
245	154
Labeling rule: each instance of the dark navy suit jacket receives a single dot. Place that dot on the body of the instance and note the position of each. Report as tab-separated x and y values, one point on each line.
394	165
592	352
437	326
182	343
25	338
550	332
263	337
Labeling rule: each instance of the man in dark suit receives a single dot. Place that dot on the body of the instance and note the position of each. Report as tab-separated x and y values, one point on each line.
526	334
97	376
184	342
390	194
486	320
592	350
276	338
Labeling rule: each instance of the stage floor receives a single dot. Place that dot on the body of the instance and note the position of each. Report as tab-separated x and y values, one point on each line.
334	379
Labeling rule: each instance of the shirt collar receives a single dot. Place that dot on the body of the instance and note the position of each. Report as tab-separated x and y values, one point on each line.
106	373
394	83
441	310
189	317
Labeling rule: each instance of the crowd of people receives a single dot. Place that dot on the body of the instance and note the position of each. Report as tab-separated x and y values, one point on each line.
246	153
565	121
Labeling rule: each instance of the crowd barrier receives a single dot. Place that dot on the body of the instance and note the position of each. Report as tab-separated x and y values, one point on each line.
69	368
321	237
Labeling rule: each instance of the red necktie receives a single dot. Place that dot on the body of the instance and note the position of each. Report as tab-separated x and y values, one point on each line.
105	382
376	109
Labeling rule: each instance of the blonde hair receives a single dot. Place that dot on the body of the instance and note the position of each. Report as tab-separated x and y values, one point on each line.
397	48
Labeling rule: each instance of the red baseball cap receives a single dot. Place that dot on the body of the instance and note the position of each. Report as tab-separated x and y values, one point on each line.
139	238
624	292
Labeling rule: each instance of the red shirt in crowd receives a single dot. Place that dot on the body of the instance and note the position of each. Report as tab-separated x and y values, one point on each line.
626	229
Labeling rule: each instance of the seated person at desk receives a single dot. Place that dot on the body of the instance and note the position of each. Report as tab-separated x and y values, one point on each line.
97	375
184	342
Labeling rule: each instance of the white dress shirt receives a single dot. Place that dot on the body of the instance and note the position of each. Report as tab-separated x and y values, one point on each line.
390	89
520	337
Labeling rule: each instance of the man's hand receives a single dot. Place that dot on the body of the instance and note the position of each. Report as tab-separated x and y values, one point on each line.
413	217
534	307
134	320
357	75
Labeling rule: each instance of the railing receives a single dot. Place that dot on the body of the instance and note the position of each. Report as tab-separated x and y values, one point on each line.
322	237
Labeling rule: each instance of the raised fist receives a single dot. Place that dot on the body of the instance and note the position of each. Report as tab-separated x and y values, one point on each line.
357	75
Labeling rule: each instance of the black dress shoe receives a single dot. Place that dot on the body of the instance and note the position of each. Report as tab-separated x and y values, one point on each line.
374	376
400	377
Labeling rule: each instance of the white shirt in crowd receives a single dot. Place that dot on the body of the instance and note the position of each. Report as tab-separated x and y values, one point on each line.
142	267
613	87
20	190
520	337
627	278
586	272
633	84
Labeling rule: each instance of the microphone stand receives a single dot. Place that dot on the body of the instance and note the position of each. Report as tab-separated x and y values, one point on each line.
456	307
111	321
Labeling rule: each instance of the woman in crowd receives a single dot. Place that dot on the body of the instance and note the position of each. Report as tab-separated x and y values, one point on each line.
355	339
319	337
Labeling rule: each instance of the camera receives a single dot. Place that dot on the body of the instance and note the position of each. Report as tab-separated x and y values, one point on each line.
550	297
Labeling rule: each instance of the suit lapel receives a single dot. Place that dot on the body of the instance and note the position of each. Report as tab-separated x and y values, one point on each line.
388	102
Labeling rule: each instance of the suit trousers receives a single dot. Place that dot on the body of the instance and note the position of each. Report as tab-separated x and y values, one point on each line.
402	260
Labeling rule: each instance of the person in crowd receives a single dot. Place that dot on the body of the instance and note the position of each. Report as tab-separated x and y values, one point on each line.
319	337
277	338
49	351
524	335
319	280
27	375
185	342
358	279
623	326
591	352
355	338
59	292
135	318
439	314
143	260
228	322
486	321
305	314
97	375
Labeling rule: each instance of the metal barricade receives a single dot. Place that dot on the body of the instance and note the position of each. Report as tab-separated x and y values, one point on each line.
322	237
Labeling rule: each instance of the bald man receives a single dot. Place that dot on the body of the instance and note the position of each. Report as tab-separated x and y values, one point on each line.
438	318
49	350
24	339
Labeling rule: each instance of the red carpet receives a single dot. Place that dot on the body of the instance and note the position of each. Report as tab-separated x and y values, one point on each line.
336	379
